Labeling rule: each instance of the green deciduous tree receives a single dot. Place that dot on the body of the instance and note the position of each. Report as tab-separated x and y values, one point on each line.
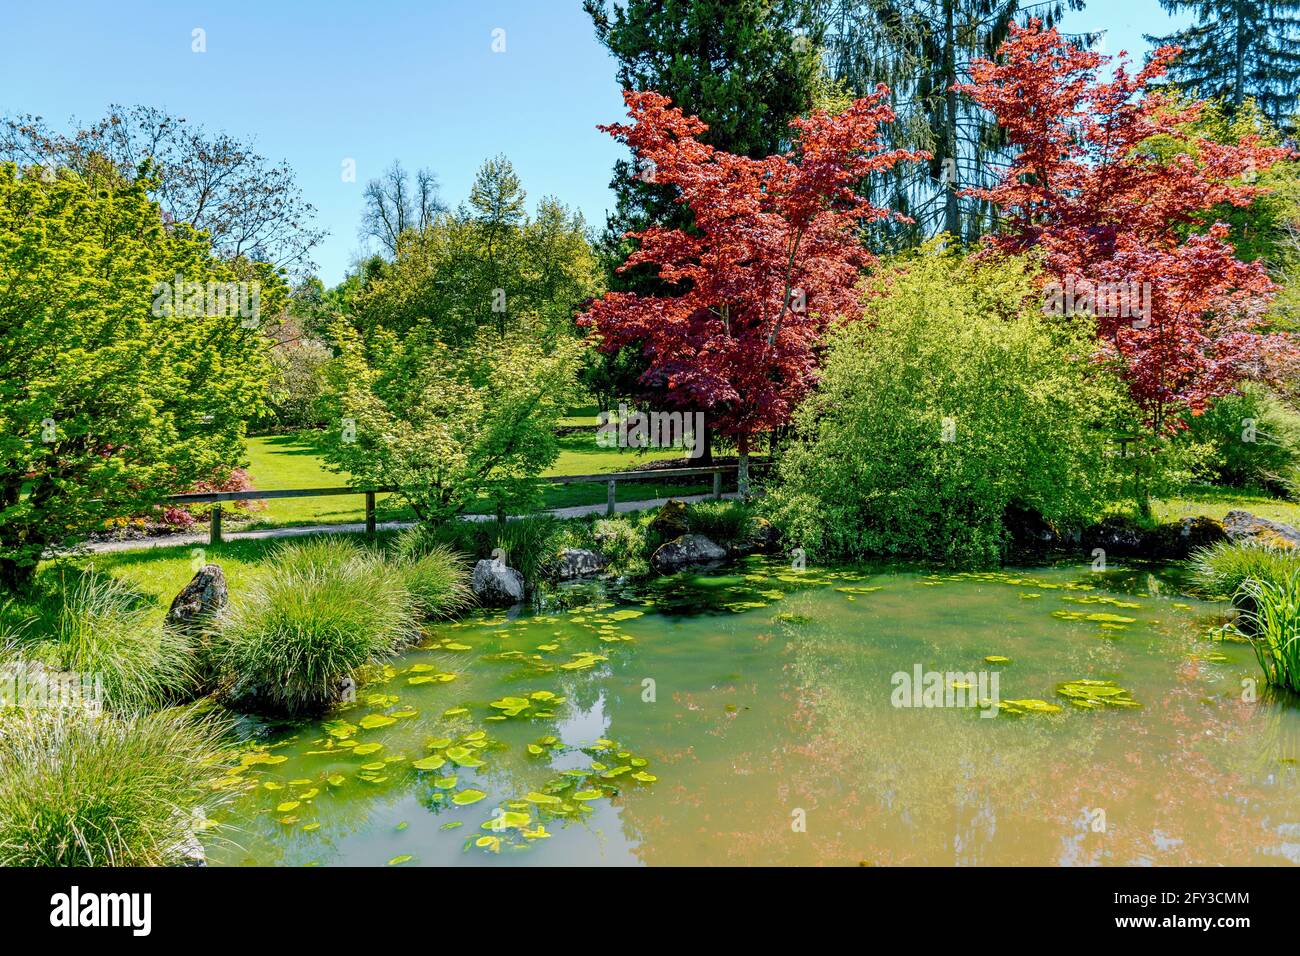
951	400
111	395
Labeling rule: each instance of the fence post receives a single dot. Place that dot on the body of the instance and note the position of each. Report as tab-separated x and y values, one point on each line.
717	486
214	534
609	504
370	514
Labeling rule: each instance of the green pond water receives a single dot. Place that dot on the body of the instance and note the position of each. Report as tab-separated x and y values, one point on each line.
745	717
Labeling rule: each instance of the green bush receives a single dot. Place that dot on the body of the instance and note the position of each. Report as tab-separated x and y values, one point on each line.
317	614
1273	622
77	790
1254	437
953	398
1222	569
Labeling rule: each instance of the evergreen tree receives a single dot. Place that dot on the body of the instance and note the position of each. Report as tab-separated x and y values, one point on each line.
1239	50
921	49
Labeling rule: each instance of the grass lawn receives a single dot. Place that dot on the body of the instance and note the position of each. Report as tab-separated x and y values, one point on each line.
1215	502
290	461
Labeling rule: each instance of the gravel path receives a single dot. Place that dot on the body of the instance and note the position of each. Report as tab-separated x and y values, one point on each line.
358	527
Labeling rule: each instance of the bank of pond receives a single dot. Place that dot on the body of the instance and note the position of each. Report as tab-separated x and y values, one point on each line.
765	711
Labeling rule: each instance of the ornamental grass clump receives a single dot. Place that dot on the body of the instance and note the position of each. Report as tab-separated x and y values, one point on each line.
321	611
111	790
1223	568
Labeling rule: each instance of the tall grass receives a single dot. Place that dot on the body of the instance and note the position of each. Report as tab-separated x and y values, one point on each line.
437	581
77	790
100	627
723	522
530	545
1224	568
1274	625
318	613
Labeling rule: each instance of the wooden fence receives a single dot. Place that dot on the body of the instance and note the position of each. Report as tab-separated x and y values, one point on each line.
611	481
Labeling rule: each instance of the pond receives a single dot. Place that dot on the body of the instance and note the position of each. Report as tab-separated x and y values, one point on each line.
749	717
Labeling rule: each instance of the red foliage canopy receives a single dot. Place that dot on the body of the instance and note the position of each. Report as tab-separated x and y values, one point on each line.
1090	193
773	257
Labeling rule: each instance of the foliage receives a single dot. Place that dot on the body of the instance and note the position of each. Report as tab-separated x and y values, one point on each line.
723	522
1088	194
251	209
77	790
772	259
746	69
529	545
1237	50
445	425
1274	626
486	264
952	399
317	614
1223	568
922	49
1254	439
106	401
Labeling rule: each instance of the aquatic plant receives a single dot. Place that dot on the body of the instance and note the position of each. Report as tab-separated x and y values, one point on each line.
77	790
1274	627
321	611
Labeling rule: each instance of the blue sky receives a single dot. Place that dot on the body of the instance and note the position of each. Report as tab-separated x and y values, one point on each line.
319	82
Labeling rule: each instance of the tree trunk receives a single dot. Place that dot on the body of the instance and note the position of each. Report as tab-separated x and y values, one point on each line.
951	209
742	469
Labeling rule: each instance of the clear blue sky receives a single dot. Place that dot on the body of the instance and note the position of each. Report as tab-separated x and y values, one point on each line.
317	82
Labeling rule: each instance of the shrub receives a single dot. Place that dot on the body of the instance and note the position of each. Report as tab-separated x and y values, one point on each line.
952	399
530	544
321	611
1274	625
77	790
1255	439
1224	568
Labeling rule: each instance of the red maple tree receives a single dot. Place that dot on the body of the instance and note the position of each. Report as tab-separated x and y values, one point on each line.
773	257
1106	211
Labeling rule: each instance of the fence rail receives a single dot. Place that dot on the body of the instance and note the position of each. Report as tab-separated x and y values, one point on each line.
611	480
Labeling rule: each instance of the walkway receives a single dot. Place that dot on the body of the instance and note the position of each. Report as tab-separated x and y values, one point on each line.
359	527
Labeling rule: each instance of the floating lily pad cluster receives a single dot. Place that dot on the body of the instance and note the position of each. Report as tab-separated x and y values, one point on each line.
517	824
1096	694
539	703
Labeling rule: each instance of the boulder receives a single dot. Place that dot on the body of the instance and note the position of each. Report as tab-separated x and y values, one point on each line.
496	585
1248	528
1116	535
763	536
670	522
1178	539
686	551
578	563
200	600
1030	531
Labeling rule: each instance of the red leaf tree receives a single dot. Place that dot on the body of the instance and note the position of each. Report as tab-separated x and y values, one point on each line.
1109	214
773	257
